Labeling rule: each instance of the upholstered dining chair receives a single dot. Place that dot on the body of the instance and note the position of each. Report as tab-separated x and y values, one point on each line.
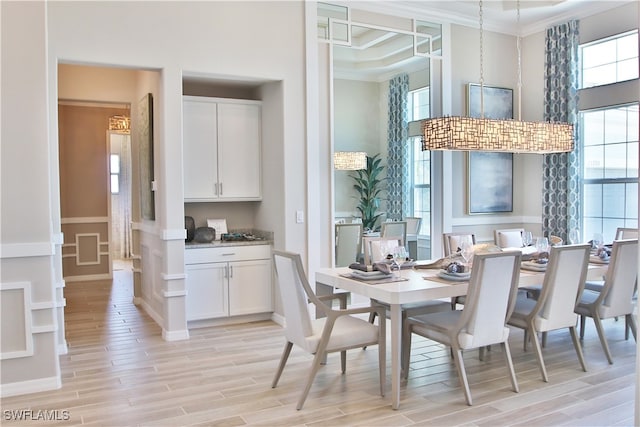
554	308
623	233
348	243
490	299
394	230
451	241
377	248
413	224
509	237
615	298
339	331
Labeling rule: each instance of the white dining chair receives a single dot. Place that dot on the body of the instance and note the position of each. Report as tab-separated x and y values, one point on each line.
339	331
394	230
348	243
451	241
509	237
554	308
615	298
490	299
376	249
623	233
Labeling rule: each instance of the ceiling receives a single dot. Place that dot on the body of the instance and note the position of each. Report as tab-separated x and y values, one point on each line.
498	15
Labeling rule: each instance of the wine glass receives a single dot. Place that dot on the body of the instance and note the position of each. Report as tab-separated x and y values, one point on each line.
574	236
542	247
466	248
399	257
527	238
597	241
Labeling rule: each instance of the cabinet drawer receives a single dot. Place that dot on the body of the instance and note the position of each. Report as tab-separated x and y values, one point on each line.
226	253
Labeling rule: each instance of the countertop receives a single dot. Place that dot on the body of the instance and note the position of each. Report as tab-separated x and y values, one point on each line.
222	244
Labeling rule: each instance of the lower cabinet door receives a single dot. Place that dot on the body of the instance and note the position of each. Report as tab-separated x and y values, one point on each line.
250	287
207	290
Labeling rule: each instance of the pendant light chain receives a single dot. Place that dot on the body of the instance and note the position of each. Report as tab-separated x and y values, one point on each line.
519	47
481	65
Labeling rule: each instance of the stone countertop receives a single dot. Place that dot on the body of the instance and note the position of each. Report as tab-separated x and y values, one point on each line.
222	244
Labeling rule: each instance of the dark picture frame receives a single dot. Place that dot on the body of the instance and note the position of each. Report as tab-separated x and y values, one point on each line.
490	174
145	138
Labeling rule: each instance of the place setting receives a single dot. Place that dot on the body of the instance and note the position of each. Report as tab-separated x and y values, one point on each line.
600	253
387	270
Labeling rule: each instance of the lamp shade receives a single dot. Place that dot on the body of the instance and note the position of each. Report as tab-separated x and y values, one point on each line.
349	160
513	136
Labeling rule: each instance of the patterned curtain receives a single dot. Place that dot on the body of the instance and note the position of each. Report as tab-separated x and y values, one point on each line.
398	185
561	171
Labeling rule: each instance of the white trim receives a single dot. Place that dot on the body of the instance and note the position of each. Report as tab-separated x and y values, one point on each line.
87	277
151	312
172	294
175	335
57	238
85	220
28	323
24	250
177	276
78	248
63	348
30	386
174	234
278	318
43	305
137	301
43	329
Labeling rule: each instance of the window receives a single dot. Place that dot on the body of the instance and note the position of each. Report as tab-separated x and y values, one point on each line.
114	169
421	183
610	60
418	104
610	169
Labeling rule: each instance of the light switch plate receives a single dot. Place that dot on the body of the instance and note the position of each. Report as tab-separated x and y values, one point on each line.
299	217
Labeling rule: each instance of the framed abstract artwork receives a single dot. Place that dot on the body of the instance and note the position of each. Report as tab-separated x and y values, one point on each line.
490	174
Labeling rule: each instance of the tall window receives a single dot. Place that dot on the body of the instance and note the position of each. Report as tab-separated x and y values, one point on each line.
114	167
610	60
420	161
610	169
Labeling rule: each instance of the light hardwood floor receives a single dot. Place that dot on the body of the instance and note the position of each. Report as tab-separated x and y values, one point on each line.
119	372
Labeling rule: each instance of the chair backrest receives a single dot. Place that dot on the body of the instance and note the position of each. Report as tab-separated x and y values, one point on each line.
376	249
621	279
562	286
451	241
348	243
293	284
394	230
555	240
508	237
623	233
413	224
490	299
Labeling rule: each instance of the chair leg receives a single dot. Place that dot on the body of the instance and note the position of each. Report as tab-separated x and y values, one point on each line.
526	339
544	339
512	371
314	370
578	347
283	361
630	322
457	355
581	327
603	338
343	361
538	350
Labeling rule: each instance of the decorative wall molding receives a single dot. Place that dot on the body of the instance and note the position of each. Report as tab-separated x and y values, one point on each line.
43	329
87	277
173	294
26	250
57	238
175	335
25	289
85	220
177	276
30	386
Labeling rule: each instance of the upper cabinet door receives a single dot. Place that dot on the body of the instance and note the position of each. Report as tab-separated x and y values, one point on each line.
239	151
200	156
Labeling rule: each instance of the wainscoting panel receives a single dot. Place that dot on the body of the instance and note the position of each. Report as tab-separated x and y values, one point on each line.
85	252
16	336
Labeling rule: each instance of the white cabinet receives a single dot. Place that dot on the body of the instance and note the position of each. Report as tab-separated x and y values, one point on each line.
228	281
222	149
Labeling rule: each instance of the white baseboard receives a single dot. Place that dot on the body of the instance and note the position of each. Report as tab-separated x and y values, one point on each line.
30	386
175	335
278	318
63	349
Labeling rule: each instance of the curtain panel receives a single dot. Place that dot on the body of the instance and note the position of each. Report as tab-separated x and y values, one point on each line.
398	182
561	188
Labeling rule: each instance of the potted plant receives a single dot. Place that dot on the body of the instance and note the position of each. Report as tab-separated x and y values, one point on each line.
367	184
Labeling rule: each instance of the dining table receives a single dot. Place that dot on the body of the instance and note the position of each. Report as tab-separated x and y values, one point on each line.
416	284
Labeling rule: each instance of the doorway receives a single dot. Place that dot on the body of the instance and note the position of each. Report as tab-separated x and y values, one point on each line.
120	240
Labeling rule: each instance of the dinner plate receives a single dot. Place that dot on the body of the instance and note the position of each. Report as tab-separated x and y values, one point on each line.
532	265
369	275
595	259
458	277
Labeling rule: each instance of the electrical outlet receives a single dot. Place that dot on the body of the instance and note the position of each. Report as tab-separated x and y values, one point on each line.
299	217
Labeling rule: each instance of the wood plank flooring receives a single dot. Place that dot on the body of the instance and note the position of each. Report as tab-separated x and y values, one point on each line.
119	372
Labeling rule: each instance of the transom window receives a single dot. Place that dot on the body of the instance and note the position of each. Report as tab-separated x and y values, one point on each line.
610	60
